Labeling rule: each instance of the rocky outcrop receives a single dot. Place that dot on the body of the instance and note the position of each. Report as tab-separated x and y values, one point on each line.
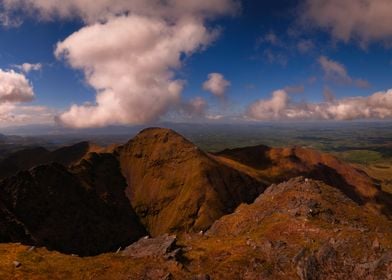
302	229
161	246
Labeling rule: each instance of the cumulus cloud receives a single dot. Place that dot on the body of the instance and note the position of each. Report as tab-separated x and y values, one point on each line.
337	72
281	107
91	11
362	20
196	107
269	109
14	114
28	67
14	87
129	51
15	90
216	84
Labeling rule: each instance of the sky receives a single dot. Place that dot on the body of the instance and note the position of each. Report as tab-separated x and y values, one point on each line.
96	63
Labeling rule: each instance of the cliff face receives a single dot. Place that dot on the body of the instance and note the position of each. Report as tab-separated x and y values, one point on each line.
174	186
82	211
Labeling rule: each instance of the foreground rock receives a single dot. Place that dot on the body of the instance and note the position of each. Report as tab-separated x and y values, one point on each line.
300	229
161	246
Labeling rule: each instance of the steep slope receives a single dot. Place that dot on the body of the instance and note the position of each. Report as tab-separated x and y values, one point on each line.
295	230
28	158
292	231
274	165
174	186
82	211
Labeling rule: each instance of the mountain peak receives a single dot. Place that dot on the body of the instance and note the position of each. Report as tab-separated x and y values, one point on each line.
161	136
166	172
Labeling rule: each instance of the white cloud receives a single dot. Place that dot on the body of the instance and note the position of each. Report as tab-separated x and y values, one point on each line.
280	107
15	90
14	114
129	51
14	87
196	107
9	21
270	108
362	20
132	74
216	84
28	67
336	72
361	83
215	117
92	11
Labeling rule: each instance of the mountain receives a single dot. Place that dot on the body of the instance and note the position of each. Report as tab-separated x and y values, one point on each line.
82	210
87	200
275	165
28	158
174	186
294	230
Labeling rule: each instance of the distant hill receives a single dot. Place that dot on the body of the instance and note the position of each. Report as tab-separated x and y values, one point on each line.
275	165
31	157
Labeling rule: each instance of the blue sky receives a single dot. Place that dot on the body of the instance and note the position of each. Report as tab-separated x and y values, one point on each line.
258	52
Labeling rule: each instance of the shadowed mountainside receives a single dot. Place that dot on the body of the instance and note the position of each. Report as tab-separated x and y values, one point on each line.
82	210
275	165
28	158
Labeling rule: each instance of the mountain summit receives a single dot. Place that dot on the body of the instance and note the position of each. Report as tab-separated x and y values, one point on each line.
174	186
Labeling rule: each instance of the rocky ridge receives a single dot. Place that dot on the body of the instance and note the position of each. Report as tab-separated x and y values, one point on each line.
248	213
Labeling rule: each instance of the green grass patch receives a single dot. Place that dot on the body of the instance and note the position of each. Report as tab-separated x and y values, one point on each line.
361	156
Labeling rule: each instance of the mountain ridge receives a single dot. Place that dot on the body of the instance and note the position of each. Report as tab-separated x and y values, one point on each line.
158	182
